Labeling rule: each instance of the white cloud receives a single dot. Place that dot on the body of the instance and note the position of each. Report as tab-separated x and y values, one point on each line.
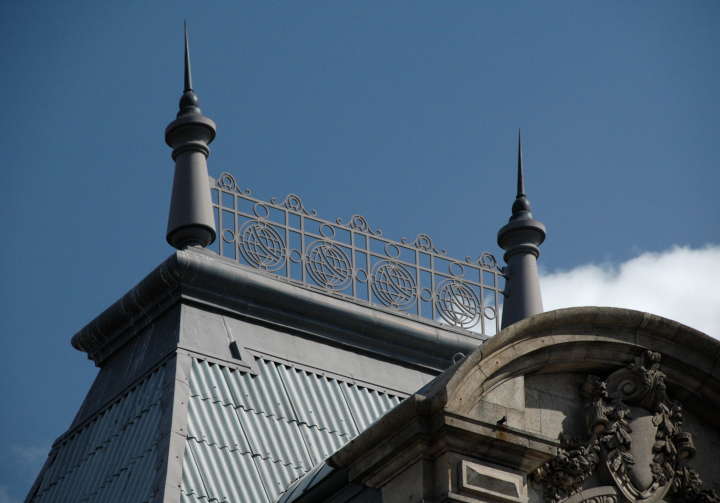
681	283
30	454
5	496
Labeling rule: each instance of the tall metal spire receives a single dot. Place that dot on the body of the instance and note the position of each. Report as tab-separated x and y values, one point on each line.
191	221
521	238
188	70
520	174
189	100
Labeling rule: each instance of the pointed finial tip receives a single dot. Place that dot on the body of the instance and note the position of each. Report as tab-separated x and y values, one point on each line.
188	70
520	174
189	100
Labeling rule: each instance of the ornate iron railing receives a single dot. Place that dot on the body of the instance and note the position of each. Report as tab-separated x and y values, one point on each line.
352	260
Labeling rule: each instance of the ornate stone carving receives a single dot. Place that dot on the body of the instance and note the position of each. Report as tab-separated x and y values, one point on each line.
601	494
563	476
635	430
600	499
687	488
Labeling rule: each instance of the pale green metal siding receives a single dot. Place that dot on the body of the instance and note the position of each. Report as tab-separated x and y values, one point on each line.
250	436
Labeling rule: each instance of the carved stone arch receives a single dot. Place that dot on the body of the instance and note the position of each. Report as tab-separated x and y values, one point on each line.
587	340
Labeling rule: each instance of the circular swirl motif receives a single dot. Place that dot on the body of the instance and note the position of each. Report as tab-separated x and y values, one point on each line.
328	265
423	242
227	182
293	202
488	261
359	223
458	304
392	284
261	245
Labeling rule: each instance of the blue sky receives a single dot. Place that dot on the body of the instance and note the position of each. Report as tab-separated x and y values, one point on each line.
405	112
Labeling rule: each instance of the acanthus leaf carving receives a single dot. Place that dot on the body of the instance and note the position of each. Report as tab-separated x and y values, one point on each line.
626	411
563	476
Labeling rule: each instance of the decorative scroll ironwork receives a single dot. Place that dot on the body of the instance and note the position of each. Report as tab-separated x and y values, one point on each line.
351	259
261	245
458	304
393	285
328	265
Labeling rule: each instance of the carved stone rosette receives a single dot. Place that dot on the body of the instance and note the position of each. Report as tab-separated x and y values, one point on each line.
635	430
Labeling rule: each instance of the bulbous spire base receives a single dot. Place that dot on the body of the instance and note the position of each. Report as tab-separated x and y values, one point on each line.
521	238
191	221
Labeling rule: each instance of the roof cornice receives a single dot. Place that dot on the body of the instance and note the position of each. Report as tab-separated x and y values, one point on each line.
200	277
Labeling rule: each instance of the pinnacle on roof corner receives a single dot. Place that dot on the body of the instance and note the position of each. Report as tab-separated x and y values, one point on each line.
191	221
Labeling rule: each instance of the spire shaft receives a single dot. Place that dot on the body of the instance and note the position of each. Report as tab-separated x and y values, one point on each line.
188	71
189	100
520	174
521	238
191	221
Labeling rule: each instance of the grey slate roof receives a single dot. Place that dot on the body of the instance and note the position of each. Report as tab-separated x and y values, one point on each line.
249	437
113	457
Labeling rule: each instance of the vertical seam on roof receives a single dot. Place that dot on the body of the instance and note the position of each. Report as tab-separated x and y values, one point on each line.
287	393
350	408
305	445
292	406
197	466
242	429
255	460
228	332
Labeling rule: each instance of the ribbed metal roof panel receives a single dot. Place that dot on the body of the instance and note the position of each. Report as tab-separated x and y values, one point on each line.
268	392
299	487
221	474
322	443
208	382
216	424
264	392
251	436
192	480
191	498
318	400
277	477
275	440
133	483
368	405
116	448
